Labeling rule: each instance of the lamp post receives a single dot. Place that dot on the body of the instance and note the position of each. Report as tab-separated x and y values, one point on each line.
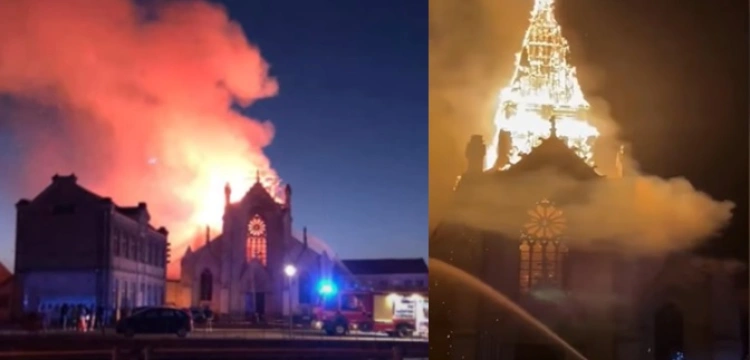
290	271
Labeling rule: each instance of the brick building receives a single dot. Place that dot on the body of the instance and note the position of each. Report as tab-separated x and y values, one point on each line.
76	247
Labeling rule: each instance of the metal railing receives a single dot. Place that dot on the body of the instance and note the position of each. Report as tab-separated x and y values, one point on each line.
268	342
261	333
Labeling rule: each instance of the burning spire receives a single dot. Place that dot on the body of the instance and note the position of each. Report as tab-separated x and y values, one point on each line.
544	85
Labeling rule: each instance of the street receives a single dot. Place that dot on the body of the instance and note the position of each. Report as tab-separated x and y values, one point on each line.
226	333
217	344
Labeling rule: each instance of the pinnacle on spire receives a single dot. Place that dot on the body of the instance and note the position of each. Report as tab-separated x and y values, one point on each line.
543	5
553	127
257	175
227	193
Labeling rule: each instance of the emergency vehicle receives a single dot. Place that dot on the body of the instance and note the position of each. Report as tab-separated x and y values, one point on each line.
396	314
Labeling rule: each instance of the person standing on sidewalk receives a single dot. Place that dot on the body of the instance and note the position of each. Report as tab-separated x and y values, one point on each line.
64	315
209	318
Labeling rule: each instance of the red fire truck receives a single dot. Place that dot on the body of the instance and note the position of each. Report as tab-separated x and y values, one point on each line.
368	311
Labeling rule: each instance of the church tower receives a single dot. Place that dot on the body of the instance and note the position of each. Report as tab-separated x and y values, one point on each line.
540	124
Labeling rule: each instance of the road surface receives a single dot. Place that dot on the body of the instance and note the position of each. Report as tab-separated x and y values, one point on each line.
222	344
223	333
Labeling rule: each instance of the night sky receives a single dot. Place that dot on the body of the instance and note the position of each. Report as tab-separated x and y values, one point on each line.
679	75
350	119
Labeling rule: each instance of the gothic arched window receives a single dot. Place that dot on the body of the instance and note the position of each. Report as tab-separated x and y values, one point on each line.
542	251
206	286
256	240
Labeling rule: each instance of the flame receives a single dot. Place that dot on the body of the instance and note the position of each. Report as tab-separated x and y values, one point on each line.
544	85
209	192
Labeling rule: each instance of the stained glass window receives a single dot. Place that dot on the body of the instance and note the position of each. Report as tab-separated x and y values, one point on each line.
256	240
542	252
525	265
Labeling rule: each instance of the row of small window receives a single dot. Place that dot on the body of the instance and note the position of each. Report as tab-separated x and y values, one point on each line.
409	283
138	248
132	294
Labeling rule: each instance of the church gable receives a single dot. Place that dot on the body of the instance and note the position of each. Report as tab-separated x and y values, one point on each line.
211	249
258	197
204	256
553	153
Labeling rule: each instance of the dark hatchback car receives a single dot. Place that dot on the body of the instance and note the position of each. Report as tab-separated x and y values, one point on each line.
156	320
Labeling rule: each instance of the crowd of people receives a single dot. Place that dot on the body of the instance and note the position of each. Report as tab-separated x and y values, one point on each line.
77	317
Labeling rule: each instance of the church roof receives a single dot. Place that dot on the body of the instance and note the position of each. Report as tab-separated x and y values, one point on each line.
385	266
260	195
212	247
553	152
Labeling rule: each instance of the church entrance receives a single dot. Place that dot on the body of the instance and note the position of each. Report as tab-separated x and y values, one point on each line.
255	305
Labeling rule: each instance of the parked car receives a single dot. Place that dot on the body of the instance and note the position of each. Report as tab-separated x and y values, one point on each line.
139	309
156	320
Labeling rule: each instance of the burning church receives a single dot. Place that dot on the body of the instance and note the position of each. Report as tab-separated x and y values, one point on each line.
515	224
256	265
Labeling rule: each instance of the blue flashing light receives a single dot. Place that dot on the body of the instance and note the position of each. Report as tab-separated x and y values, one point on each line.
326	288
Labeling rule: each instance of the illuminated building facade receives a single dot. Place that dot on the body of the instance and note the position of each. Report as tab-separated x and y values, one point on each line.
240	272
76	247
605	304
539	269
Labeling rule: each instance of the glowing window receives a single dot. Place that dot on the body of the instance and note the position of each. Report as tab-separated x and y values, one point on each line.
542	252
256	240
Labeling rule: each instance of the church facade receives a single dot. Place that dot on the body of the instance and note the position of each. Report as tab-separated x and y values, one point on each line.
606	304
245	271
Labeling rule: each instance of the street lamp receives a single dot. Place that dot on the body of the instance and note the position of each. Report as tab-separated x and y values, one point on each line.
290	270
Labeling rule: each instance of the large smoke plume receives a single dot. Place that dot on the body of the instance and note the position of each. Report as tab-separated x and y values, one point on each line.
635	214
471	58
136	100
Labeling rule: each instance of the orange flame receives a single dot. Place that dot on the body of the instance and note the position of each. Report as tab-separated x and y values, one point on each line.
544	84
